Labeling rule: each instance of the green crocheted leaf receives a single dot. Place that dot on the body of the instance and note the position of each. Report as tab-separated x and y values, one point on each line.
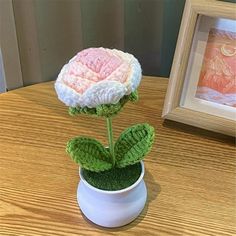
105	110
89	154
133	144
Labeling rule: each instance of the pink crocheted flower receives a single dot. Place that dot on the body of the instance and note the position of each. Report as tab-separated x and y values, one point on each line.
97	76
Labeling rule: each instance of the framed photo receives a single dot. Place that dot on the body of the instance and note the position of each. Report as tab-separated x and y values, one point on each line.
202	83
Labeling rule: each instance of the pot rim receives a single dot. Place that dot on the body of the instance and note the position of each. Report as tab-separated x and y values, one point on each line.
114	191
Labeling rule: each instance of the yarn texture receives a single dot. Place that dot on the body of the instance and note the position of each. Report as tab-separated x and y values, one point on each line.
105	110
98	76
115	178
131	147
89	153
99	82
133	144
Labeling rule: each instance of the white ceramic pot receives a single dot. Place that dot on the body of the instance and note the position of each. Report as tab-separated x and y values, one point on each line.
112	208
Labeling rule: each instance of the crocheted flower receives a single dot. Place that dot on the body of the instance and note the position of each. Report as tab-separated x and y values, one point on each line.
98	76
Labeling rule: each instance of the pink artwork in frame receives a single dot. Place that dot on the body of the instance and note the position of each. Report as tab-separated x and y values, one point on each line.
217	81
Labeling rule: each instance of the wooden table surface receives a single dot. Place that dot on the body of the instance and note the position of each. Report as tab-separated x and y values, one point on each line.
190	173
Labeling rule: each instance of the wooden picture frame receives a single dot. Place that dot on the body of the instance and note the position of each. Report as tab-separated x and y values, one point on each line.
173	108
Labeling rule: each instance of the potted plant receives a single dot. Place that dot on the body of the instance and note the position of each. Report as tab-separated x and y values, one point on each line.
98	82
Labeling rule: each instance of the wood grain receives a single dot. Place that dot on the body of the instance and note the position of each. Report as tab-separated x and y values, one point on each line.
190	173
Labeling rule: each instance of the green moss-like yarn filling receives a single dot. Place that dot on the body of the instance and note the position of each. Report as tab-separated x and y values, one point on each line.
115	178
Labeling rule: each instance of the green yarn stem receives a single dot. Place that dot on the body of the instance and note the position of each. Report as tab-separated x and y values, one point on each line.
110	138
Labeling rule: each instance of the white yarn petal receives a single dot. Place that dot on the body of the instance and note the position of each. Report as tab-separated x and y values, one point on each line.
136	74
67	95
104	92
91	79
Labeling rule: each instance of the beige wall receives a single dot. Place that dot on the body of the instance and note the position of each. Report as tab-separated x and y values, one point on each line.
10	62
144	32
59	33
49	33
103	23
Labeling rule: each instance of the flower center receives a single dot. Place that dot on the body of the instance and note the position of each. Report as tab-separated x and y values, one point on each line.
99	61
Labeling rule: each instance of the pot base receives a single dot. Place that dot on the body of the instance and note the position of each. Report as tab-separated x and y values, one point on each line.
114	208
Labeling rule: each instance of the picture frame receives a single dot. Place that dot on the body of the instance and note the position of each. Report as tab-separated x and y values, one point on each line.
207	28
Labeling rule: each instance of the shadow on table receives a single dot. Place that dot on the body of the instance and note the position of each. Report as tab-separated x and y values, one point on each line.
153	189
210	135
